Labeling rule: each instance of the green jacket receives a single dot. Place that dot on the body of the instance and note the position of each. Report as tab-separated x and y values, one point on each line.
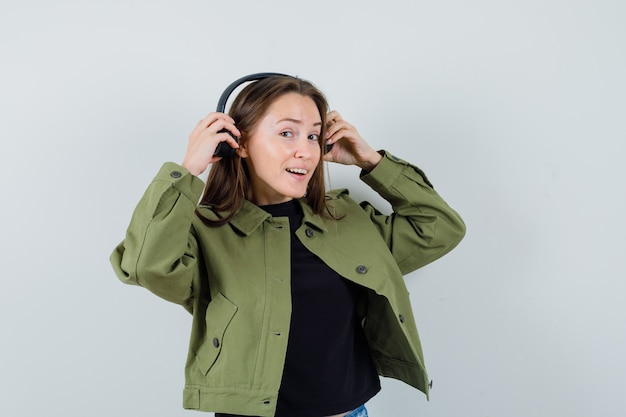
235	279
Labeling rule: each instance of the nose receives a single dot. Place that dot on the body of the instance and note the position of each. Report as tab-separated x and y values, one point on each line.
303	148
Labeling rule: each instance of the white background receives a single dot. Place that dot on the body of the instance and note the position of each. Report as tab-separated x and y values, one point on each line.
515	109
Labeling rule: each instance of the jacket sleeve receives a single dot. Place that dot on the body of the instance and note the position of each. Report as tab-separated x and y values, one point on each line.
160	251
422	227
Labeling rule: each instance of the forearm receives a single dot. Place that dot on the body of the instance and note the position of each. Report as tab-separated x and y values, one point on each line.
423	227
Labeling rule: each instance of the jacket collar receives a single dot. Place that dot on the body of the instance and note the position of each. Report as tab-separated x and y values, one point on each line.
250	217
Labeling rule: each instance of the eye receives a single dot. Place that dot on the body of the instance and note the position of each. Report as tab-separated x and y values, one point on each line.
286	134
314	137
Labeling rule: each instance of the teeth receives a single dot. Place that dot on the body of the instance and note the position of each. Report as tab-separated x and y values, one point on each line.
297	170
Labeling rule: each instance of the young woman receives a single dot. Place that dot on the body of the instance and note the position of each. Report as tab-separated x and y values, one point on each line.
297	294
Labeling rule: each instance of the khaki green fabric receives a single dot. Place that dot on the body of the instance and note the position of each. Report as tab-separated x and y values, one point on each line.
235	279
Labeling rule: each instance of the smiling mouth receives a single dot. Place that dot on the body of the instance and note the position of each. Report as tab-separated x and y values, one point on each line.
299	171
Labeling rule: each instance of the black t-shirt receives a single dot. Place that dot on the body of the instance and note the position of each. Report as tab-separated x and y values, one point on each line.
328	367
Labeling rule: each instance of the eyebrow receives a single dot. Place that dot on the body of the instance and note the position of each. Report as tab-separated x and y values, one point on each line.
296	121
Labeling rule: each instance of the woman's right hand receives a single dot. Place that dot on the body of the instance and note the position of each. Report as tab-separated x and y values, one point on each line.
204	140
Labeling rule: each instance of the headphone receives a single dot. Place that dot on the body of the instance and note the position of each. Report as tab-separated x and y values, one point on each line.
223	149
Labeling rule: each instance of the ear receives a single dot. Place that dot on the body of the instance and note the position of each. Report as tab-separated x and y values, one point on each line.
242	151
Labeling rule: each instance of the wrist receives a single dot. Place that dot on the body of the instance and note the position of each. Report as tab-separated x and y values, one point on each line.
193	170
370	162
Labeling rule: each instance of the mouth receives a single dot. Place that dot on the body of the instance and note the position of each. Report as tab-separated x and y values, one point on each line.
297	171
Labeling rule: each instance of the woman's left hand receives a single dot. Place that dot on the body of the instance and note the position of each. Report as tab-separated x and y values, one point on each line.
349	148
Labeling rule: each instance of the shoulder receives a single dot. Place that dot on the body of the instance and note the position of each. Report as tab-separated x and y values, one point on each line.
340	198
337	194
341	204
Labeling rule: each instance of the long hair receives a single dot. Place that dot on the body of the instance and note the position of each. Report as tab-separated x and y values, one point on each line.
228	183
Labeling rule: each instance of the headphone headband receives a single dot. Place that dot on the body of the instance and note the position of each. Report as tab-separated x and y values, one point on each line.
221	104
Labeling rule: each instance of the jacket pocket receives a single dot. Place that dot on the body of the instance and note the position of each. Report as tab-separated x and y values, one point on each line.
219	314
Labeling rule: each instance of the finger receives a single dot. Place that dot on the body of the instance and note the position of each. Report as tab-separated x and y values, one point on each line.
203	124
328	157
226	137
222	123
214	117
215	124
333	117
222	126
339	130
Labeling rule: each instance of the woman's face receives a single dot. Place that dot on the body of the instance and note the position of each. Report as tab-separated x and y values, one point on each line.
283	150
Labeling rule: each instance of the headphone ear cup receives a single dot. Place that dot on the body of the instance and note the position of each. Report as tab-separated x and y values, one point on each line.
223	149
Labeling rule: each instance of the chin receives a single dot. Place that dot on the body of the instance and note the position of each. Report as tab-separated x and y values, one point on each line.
296	193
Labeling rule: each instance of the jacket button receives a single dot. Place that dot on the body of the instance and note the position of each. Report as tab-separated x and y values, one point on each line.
309	232
401	317
216	342
361	269
175	174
